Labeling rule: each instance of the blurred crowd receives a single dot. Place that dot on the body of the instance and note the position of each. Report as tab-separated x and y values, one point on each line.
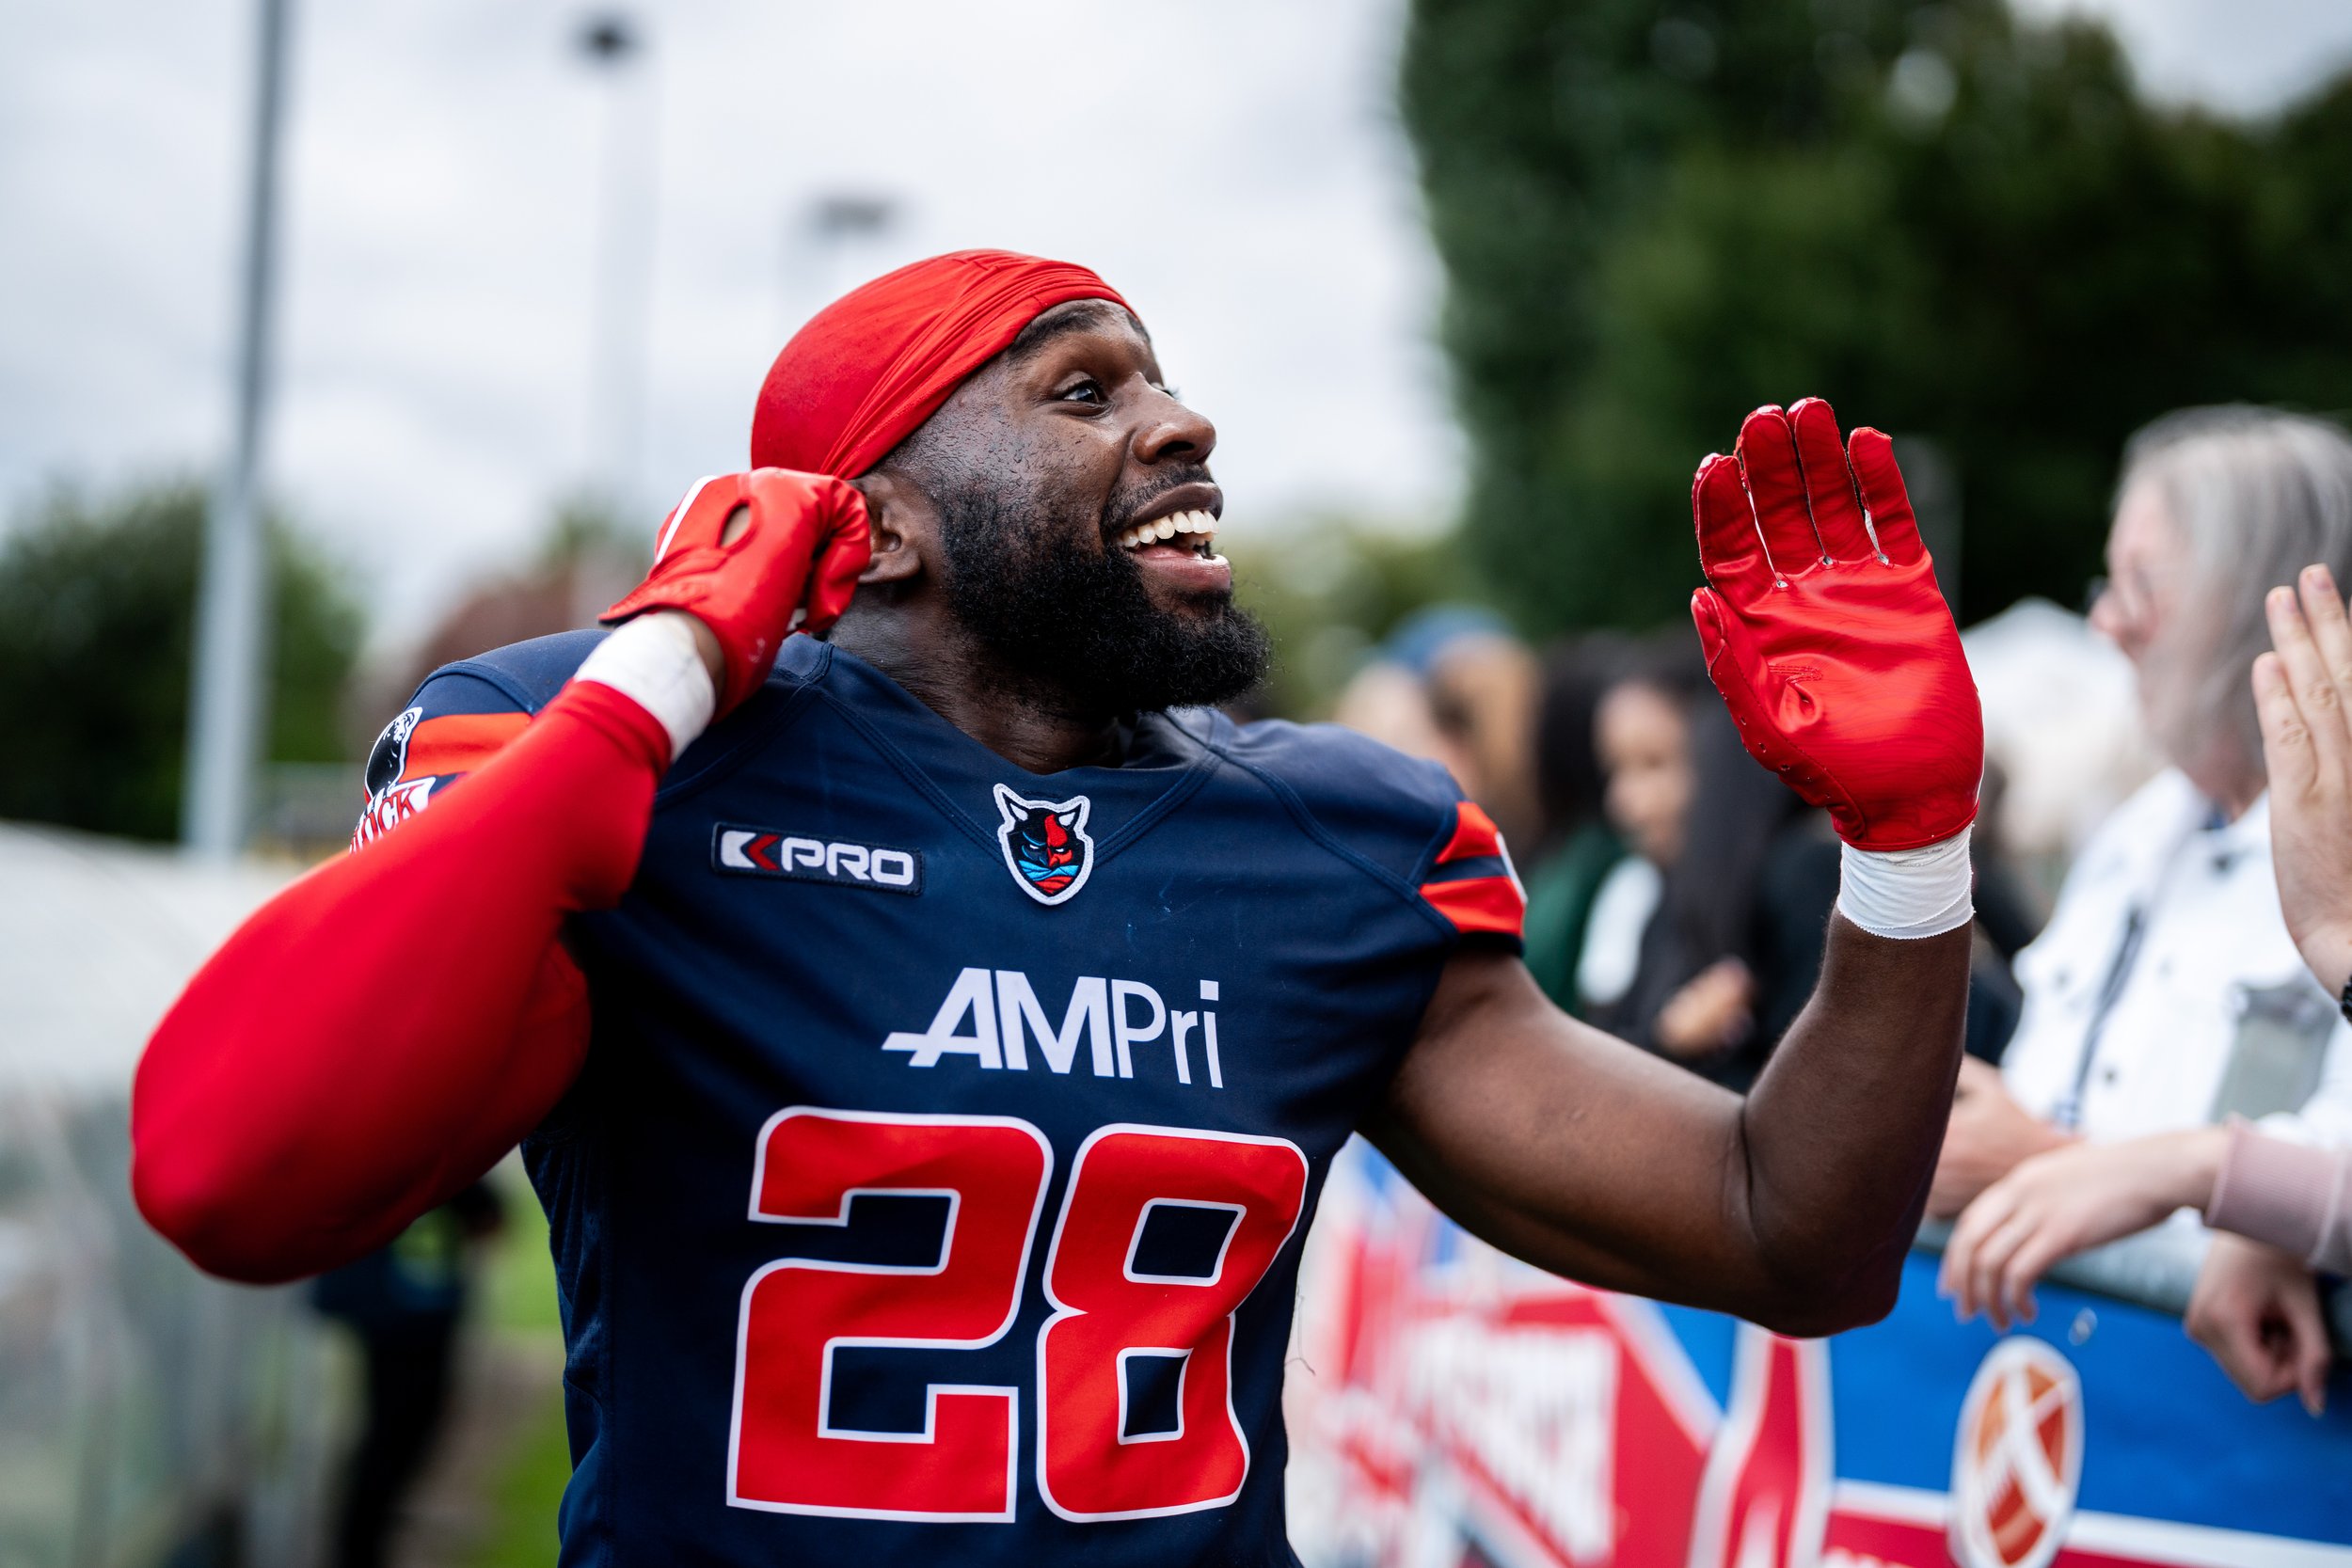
2135	980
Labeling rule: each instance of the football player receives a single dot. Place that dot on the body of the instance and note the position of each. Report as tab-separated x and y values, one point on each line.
929	1033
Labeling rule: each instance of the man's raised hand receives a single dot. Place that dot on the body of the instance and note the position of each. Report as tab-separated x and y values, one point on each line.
1826	634
743	554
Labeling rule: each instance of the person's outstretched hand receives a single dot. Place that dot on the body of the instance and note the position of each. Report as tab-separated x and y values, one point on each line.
1988	1136
2302	691
2257	1309
2066	1201
753	557
1825	632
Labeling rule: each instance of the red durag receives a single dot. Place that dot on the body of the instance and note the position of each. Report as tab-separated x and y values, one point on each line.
868	368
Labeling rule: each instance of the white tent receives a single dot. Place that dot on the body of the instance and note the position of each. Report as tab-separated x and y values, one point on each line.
144	1409
97	936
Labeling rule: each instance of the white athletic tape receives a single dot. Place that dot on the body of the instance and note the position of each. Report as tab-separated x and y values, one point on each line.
652	661
1908	892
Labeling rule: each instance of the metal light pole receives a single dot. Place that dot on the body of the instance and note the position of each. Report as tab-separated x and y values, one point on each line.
611	41
226	701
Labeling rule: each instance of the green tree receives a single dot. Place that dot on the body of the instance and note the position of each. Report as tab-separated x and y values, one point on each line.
97	611
1951	223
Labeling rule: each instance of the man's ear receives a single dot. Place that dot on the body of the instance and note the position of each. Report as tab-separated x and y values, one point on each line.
904	527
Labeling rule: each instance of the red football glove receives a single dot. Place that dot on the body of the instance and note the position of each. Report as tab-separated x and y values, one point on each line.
804	545
1826	635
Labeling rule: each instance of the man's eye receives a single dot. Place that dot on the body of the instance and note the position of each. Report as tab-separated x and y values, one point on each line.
1088	390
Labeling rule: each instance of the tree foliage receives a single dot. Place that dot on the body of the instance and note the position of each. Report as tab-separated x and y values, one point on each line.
1952	223
97	616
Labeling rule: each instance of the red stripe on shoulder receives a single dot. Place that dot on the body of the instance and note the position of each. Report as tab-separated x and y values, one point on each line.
1475	834
1478	903
460	743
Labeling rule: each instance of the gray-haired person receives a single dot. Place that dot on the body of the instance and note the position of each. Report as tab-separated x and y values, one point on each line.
2166	992
2283	1190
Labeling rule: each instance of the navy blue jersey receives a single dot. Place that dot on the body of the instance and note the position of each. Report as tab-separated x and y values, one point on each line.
934	1188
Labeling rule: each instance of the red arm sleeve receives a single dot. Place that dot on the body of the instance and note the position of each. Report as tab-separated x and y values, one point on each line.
382	1031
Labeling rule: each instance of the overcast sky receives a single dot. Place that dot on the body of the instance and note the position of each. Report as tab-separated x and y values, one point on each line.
1233	167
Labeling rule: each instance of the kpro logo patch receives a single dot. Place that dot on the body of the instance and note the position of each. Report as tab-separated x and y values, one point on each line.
802	857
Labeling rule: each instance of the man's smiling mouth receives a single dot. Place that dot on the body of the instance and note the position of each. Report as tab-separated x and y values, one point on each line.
1192	533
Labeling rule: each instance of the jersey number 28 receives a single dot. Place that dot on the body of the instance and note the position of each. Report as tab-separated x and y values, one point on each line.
786	1455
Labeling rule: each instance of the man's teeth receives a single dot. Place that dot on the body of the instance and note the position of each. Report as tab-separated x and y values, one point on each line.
1201	526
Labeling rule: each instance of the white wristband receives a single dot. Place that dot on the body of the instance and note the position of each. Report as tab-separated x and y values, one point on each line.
652	661
1908	892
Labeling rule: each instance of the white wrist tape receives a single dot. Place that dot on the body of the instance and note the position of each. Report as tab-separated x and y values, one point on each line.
1908	892
652	661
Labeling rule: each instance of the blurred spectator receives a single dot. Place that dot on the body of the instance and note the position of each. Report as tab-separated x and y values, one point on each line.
1746	875
1453	685
1484	688
1641	748
406	1302
2166	992
1579	848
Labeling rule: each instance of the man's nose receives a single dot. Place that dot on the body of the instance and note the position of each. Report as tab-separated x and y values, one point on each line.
1173	433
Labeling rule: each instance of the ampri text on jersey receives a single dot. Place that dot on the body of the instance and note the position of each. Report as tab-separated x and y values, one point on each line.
993	1015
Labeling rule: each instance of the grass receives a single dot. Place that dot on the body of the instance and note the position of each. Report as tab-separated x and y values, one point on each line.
524	1496
519	1291
518	1299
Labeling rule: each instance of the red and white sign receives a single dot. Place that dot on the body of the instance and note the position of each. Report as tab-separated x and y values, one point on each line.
1452	1408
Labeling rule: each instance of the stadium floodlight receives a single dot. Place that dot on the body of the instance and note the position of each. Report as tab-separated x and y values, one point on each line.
226	696
850	214
608	38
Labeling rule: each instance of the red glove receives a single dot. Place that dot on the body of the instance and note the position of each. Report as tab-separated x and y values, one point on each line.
803	543
1825	632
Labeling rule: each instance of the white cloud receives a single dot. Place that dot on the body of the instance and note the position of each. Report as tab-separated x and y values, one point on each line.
2240	56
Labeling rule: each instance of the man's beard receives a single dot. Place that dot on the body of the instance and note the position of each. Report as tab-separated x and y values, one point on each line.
1077	626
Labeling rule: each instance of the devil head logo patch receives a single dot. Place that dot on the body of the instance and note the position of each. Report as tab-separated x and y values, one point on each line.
387	759
1045	843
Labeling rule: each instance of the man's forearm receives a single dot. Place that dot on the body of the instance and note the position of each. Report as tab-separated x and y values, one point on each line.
1840	1135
